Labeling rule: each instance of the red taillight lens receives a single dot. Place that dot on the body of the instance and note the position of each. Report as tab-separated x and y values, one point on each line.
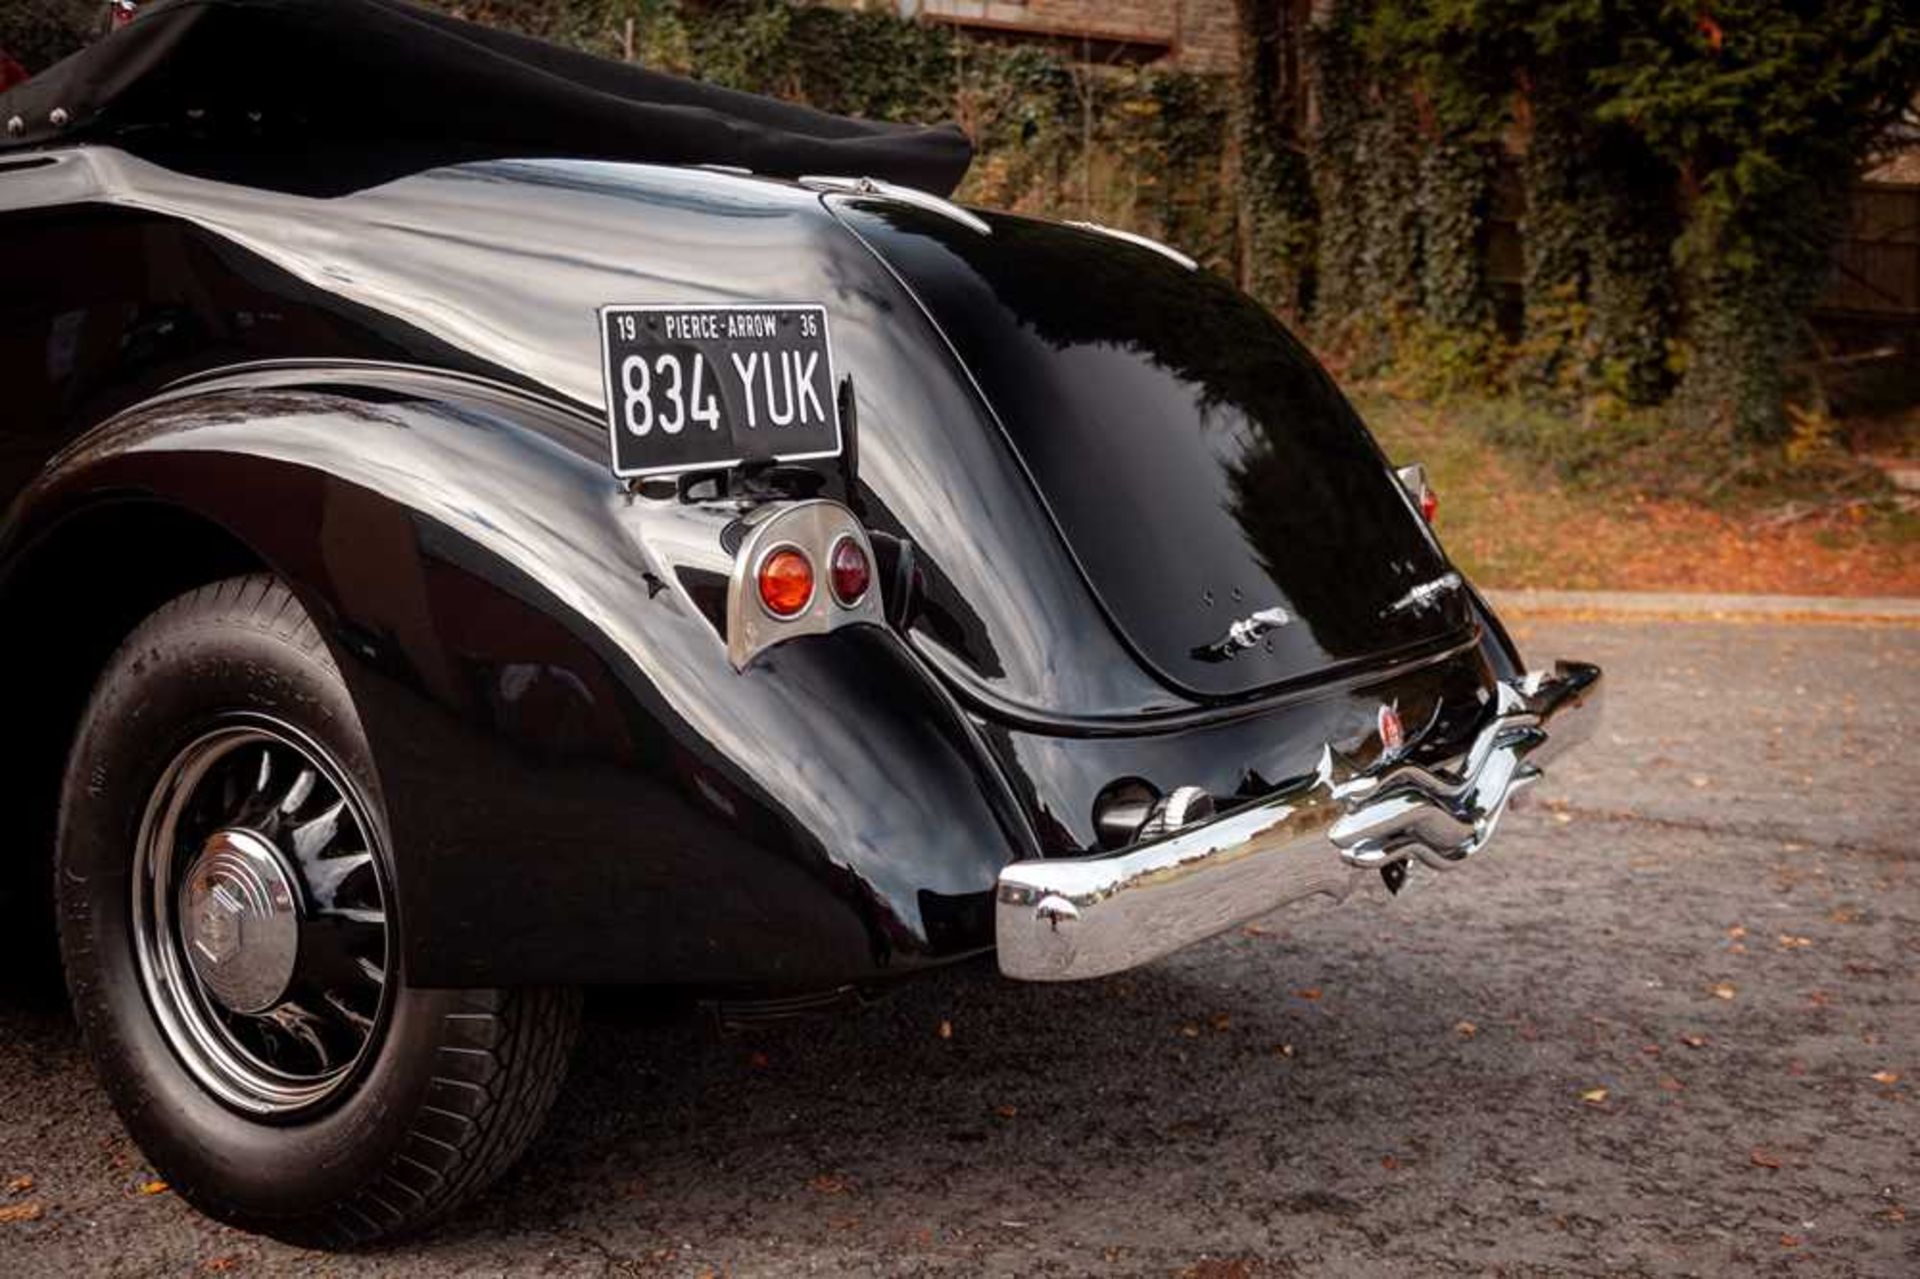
786	582
848	570
1429	504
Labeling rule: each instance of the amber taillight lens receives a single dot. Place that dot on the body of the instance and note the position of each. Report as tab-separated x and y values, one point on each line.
848	570
786	582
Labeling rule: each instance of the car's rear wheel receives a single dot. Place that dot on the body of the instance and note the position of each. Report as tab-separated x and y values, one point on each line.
232	941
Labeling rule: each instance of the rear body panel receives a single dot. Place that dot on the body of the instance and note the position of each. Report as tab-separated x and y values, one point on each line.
394	399
1199	463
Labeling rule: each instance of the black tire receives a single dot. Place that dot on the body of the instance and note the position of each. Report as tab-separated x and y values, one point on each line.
449	1086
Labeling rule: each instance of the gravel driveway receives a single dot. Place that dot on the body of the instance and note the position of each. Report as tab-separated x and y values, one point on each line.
1670	1024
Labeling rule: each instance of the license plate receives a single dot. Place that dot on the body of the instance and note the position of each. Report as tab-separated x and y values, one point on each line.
705	387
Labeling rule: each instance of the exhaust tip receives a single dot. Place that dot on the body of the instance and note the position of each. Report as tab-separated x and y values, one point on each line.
1184	806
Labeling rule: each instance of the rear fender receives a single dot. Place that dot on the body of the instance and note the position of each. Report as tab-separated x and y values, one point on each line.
580	786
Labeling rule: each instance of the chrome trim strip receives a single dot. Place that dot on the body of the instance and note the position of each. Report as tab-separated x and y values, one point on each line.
1070	918
919	199
1134	237
981	696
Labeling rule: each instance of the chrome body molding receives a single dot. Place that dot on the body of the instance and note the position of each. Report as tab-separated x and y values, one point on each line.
1133	237
1426	594
1071	918
1245	633
898	194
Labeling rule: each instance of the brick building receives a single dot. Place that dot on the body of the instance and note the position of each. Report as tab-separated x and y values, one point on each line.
1193	34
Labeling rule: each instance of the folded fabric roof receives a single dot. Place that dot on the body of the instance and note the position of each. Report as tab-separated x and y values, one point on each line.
270	78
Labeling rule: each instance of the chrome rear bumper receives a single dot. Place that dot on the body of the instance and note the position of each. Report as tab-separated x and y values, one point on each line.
1068	918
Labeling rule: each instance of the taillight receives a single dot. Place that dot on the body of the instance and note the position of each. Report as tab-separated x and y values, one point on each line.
1414	479
786	582
848	571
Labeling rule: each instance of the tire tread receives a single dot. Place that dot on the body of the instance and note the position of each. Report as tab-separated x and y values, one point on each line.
533	1039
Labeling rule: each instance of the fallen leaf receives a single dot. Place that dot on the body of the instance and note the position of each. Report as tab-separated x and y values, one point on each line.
827	1184
1722	990
1222	1022
1594	1096
759	1061
1894	1213
1219	1268
1700	783
11	1214
1006	1112
1694	1041
1465	1029
946	1029
1669	1084
1190	1031
1254	930
1563	819
1791	1241
20	1185
1764	1159
1389	1163
1736	932
220	1265
1791	942
1311	992
1888	1077
1284	1050
154	1187
1651	1050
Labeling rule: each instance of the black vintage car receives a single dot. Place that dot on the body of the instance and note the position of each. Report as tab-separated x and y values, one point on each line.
485	521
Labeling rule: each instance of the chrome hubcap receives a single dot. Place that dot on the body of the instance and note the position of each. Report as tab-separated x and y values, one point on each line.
241	921
260	919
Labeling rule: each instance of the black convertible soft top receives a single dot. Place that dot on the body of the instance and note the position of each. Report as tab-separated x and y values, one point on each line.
274	83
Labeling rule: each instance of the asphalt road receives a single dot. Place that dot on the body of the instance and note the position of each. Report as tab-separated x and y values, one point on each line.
1668	1025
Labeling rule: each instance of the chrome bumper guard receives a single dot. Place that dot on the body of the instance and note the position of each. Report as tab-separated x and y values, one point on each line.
1070	918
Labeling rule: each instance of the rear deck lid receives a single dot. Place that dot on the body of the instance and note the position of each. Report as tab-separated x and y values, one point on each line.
1204	470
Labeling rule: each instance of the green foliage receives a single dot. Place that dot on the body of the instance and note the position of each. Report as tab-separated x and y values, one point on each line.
1766	109
1456	187
1276	211
38	33
1340	78
1673	147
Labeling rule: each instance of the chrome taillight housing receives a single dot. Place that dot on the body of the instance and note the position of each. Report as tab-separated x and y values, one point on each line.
774	592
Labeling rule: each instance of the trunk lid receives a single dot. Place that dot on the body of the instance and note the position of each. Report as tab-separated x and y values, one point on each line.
1203	469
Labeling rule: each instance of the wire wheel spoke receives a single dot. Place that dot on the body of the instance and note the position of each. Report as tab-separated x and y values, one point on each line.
335	949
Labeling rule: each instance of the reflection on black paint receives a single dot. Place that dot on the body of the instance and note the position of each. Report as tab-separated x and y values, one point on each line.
1200	462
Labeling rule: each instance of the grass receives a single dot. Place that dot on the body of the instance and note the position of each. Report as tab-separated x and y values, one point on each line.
1531	499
